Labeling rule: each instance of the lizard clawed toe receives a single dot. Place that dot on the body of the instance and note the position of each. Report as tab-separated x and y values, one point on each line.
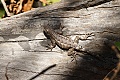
49	48
74	58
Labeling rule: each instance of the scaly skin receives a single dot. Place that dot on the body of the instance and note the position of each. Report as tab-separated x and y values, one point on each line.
60	40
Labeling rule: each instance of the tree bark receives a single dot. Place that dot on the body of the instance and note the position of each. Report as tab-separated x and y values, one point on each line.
23	42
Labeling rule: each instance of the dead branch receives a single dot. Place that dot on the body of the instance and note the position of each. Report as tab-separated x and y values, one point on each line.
114	72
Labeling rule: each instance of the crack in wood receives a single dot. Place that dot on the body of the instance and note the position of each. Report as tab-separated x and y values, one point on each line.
105	31
108	7
20	41
63	75
23	70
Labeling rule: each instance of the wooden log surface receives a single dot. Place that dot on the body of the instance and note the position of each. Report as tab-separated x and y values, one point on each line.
23	44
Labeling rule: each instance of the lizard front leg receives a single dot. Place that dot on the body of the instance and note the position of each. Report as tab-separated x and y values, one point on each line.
52	45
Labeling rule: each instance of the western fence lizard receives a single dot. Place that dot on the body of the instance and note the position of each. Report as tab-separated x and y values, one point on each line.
62	41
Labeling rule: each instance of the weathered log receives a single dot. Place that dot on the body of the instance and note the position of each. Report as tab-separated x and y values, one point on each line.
23	43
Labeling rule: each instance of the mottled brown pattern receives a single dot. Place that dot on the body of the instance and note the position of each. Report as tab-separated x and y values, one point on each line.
62	41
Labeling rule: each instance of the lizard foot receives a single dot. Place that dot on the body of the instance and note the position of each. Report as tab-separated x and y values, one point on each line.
74	58
73	54
49	48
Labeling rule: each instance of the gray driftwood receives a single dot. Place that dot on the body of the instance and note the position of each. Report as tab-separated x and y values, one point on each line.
23	44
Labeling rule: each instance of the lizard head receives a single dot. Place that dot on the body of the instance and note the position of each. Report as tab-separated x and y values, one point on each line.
46	29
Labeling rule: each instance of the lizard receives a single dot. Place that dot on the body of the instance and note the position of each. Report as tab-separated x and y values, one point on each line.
62	41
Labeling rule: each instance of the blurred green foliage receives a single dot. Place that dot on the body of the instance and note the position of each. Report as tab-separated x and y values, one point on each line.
51	1
1	12
118	45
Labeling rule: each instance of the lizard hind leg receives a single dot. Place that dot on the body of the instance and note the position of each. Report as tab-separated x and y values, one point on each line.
72	53
84	37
